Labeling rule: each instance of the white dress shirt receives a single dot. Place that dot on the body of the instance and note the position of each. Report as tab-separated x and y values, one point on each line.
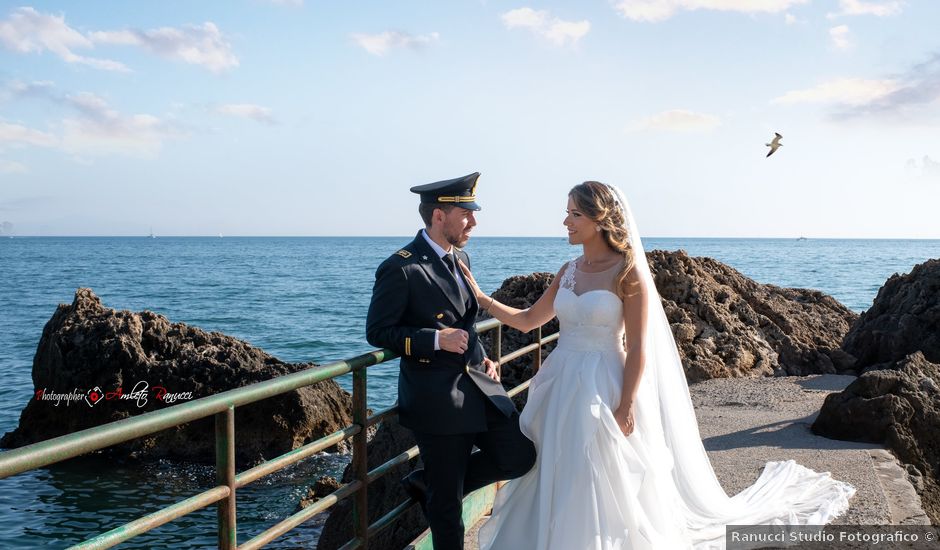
441	253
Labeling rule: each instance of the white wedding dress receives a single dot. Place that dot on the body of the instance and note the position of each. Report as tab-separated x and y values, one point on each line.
594	488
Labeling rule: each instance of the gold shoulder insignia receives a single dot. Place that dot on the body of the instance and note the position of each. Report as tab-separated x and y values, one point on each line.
404	253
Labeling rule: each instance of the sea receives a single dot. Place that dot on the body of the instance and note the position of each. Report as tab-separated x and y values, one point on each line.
300	299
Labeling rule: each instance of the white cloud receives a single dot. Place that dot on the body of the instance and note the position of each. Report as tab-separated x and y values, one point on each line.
840	37
202	45
790	19
846	91
926	169
541	22
861	7
101	130
564	32
18	134
247	110
660	10
37	88
92	105
28	31
930	167
525	17
12	167
93	128
909	97
677	120
16	89
380	44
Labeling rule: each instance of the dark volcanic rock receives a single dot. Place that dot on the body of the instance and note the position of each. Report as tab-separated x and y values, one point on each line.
85	346
385	494
520	292
728	325
725	324
323	487
904	318
899	407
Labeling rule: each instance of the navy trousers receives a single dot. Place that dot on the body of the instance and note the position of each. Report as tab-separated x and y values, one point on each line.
452	469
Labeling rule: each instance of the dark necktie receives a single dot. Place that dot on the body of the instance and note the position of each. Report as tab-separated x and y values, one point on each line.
449	262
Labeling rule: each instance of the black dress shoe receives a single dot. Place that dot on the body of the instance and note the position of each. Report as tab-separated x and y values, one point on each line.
417	489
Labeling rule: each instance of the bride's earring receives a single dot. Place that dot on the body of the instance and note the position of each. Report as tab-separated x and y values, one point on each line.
597	228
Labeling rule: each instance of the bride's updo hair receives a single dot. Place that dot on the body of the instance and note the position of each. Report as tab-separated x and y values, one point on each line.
598	202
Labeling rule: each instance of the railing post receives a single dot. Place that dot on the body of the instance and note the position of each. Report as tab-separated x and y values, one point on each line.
538	352
499	343
360	459
225	475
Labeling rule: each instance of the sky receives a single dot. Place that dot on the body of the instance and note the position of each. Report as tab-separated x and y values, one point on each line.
296	117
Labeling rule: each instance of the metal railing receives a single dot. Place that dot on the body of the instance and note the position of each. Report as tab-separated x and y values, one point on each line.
222	406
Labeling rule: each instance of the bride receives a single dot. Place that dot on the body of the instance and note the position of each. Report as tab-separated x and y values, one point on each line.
620	463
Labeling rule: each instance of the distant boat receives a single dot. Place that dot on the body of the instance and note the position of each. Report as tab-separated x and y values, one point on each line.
220	235
152	236
802	238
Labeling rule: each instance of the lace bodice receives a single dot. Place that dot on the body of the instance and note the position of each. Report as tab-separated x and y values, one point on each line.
590	313
581	282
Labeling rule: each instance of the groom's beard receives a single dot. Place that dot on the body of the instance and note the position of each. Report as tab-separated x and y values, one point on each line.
457	239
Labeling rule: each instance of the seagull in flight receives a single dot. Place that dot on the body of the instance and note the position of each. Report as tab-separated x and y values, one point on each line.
775	144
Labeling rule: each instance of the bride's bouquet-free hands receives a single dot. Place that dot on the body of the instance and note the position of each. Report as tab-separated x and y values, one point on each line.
624	417
474	287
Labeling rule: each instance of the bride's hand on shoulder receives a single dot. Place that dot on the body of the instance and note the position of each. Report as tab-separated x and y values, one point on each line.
624	417
474	287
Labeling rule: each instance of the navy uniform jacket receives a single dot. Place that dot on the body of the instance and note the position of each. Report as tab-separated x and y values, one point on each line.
439	392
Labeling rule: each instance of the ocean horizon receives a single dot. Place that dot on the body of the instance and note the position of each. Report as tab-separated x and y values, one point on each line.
300	299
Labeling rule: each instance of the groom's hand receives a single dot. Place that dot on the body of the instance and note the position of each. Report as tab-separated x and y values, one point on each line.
453	340
492	368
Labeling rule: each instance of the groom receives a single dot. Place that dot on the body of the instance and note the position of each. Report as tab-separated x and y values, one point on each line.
449	392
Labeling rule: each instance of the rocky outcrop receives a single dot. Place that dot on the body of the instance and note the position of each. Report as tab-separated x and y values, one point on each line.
897	406
725	324
904	318
386	493
520	292
120	364
323	487
896	400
